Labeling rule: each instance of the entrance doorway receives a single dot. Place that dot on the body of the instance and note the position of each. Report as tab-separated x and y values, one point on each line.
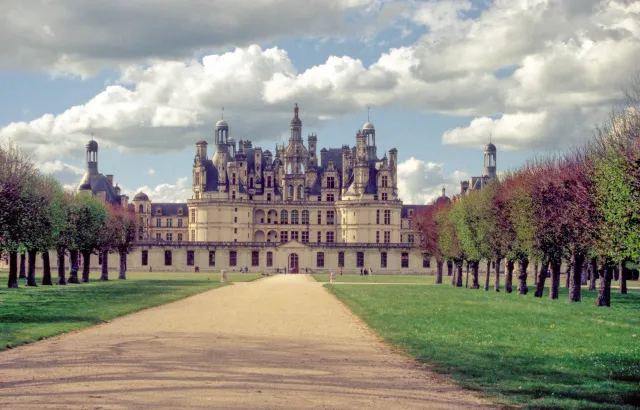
293	263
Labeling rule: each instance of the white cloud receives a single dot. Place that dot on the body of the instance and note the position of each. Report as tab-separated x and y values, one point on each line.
65	173
179	191
420	182
151	171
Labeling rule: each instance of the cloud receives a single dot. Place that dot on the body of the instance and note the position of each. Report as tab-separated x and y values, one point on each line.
420	182
151	171
65	173
82	37
179	191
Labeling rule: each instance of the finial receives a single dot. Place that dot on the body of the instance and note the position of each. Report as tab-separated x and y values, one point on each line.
91	135
443	190
223	113
368	113
490	134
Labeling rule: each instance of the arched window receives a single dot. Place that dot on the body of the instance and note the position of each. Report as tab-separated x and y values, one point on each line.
284	217
141	209
305	217
250	182
289	168
290	192
269	181
294	217
299	193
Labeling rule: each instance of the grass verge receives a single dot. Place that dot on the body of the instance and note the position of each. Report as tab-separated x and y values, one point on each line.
518	349
31	314
377	278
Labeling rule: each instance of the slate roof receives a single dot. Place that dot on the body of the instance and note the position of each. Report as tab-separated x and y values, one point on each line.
169	209
404	213
100	183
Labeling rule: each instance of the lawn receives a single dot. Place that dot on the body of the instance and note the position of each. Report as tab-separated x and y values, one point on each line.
516	349
30	314
378	278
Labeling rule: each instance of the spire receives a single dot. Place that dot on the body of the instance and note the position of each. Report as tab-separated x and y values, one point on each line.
368	113
222	113
443	191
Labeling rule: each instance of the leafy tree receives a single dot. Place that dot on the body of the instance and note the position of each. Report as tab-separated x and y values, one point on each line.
466	219
424	222
89	220
449	242
125	237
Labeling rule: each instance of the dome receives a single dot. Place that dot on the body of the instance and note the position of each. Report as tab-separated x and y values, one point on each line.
92	145
296	122
490	147
443	200
368	126
141	196
222	124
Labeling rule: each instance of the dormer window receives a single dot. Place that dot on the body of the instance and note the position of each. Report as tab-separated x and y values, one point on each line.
179	211
158	211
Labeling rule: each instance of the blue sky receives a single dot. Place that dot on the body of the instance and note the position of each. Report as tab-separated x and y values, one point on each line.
441	76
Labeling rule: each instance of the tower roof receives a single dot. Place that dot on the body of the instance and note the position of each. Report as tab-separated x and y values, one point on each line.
222	124
92	145
368	126
490	147
141	196
295	121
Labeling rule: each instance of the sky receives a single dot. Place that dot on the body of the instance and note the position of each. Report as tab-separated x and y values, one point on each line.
149	78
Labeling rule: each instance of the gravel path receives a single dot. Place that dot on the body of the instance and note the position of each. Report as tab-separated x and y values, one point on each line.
282	342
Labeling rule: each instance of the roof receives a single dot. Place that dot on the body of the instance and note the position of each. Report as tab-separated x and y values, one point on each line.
404	213
99	183
368	126
222	124
141	196
490	147
169	209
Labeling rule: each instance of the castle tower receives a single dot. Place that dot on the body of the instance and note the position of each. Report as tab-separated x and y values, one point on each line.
490	160
312	141
369	131
92	157
296	125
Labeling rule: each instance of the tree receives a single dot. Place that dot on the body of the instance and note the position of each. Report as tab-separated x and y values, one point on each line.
125	238
424	222
466	219
448	241
89	219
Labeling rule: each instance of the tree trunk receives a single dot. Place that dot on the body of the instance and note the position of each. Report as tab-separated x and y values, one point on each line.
31	268
616	273
604	288
474	273
439	264
46	269
593	273
73	274
542	277
61	279
522	276
555	279
567	279
454	268
577	260
497	285
535	274
584	275
123	267
86	266
23	265
449	269
508	284
459	275
466	283
105	266
12	282
487	278
623	279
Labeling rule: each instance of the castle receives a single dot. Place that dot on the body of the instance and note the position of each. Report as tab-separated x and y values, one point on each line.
292	210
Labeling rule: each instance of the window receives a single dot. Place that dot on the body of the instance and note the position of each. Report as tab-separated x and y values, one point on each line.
250	182
158	223
385	196
331	182
268	197
233	179
426	261
193	234
179	222
377	236
410	237
169	223
269	259
319	237
330	198
319	217
180	211
341	259
387	236
235	219
158	211
255	258
145	258
197	178
387	217
385	181
294	235
383	259
284	236
320	260
179	237
212	258
294	217
405	260
305	217
269	181
233	194
375	197
330	217
235	209
329	237
377	216
284	217
190	258
360	259
158	235
235	230
305	237
193	215
141	209
169	236
319	198
233	258
167	258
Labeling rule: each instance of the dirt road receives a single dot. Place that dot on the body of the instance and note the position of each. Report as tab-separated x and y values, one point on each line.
279	343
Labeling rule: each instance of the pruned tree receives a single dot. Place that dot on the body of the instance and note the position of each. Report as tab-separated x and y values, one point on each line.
424	223
449	242
89	220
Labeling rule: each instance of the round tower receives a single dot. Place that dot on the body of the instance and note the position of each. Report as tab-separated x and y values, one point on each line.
490	160
92	156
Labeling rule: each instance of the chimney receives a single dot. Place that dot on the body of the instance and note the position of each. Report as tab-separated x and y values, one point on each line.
110	179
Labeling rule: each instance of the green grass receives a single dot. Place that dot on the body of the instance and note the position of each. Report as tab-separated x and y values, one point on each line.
378	278
30	314
516	349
